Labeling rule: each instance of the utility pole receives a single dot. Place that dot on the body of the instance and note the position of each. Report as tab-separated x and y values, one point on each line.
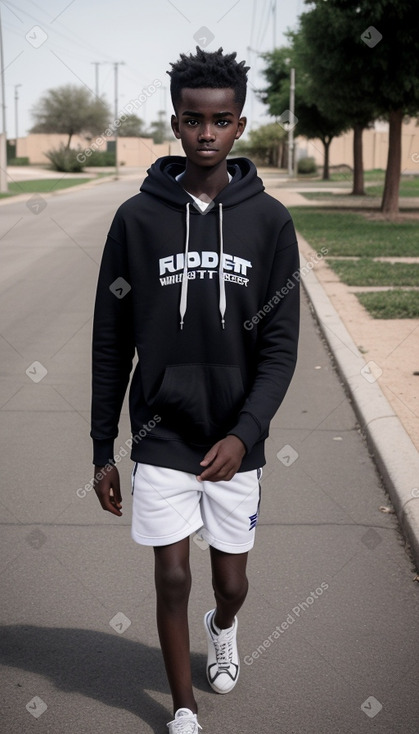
115	68
251	50
96	64
16	114
3	136
274	9
291	130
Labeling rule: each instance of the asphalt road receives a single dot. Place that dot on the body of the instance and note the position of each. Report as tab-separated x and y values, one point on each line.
329	633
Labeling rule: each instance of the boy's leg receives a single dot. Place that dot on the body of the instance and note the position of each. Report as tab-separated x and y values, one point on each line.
230	585
173	584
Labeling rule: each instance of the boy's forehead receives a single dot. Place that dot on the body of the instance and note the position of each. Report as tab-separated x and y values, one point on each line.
206	98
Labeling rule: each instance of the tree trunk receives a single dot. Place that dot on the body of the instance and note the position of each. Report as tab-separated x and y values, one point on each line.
390	202
358	182
69	141
326	142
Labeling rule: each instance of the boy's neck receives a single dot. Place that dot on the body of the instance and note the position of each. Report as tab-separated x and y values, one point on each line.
209	181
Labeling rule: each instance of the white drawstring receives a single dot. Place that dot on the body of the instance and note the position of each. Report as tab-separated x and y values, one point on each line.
222	302
184	288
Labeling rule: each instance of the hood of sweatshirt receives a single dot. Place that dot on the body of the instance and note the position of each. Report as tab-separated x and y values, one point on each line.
244	184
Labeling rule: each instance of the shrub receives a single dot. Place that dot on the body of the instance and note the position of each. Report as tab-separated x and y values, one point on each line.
307	165
65	159
100	158
22	161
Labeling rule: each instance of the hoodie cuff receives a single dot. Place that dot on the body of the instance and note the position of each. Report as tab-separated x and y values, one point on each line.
103	451
247	430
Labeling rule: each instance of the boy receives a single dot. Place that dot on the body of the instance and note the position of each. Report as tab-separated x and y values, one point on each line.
200	276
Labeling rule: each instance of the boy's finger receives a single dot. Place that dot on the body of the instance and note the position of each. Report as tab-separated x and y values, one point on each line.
115	492
210	455
216	472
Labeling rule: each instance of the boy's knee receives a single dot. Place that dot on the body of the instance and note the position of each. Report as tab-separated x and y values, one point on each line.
231	589
173	582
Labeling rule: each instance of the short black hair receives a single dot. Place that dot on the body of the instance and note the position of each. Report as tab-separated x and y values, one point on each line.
209	69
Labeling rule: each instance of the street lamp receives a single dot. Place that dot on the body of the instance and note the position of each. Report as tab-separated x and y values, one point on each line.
16	115
291	128
115	68
3	135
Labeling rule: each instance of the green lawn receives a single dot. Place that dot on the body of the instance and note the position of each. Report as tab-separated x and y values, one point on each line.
350	233
367	272
43	185
376	174
409	186
391	304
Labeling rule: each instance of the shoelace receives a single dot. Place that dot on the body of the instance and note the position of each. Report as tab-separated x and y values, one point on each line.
223	644
186	725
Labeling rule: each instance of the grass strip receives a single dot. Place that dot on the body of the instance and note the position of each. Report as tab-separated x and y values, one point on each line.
351	233
43	185
365	272
391	304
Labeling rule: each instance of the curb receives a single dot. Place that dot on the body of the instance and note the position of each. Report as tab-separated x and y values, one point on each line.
393	450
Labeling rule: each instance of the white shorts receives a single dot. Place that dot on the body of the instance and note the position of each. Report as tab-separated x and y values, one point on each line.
169	505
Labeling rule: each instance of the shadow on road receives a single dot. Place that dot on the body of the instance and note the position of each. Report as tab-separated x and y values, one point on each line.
106	667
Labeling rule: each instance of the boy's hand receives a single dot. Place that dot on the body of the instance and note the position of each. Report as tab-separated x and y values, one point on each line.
108	490
222	460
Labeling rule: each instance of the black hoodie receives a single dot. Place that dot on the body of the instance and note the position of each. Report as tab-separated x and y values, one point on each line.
210	302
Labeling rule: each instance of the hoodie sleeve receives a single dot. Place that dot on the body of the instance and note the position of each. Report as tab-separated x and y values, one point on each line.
278	330
113	344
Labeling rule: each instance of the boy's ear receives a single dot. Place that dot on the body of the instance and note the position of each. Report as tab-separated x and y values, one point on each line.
175	126
241	125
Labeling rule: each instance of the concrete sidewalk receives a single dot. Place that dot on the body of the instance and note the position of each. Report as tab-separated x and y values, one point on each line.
328	634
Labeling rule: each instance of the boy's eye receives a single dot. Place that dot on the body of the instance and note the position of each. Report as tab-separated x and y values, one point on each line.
219	123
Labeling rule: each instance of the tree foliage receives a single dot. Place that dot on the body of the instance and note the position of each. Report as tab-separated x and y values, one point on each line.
328	51
368	59
70	110
265	145
355	62
312	121
131	127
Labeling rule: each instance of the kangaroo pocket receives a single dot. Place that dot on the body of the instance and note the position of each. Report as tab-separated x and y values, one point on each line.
200	401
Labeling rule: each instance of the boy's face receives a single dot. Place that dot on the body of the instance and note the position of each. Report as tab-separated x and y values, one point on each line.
207	122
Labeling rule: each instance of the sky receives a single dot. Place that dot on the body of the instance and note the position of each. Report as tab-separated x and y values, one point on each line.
50	43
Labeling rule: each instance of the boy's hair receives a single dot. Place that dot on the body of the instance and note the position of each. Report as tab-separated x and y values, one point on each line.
208	69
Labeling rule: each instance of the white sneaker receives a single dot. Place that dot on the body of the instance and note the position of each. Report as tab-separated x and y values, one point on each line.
185	722
223	665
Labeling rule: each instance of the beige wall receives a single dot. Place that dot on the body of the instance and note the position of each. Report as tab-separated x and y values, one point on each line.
375	144
142	151
131	151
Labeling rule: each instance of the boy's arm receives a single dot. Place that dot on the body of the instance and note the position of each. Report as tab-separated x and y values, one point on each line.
278	334
113	346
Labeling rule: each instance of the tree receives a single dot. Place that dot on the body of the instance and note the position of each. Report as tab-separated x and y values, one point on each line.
385	45
131	127
328	51
312	122
265	144
71	110
159	130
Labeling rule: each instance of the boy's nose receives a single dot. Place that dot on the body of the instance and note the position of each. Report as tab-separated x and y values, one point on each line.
206	134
